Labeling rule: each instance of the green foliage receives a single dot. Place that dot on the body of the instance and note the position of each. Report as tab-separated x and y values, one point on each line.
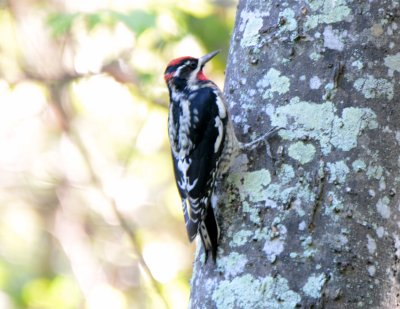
212	31
61	23
136	20
60	292
94	19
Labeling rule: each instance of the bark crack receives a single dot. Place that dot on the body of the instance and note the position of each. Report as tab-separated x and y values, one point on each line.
319	196
337	74
324	292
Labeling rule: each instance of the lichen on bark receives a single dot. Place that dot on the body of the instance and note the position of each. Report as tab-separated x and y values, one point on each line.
316	224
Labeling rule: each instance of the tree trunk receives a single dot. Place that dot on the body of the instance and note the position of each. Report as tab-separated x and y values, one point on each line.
316	226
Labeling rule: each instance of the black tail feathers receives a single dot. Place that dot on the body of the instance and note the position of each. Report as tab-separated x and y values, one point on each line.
209	233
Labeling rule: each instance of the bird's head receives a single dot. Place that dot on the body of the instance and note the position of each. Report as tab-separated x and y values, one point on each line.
184	71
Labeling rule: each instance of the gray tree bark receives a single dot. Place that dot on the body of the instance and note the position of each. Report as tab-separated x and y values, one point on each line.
317	226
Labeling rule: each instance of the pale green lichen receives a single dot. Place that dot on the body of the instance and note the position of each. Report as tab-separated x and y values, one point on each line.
309	253
286	173
295	116
325	126
374	171
358	64
251	23
334	205
301	152
277	193
262	233
290	21
333	39
315	56
383	207
372	88
305	192
314	285
393	62
348	128
274	82
307	241
359	165
275	243
295	195
247	292
251	184
240	238
308	249
326	12
252	211
337	171
232	264
330	91
315	82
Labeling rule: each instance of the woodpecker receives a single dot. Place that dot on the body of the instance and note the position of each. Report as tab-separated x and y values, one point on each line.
203	143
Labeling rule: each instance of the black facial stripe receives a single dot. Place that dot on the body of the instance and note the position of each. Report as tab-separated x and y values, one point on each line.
172	68
186	65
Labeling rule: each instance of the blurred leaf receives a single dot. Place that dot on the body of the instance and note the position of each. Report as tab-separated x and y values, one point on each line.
212	31
92	20
137	21
34	292
145	78
61	23
4	275
61	292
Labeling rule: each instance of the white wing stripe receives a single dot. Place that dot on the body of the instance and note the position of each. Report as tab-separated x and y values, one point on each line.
219	125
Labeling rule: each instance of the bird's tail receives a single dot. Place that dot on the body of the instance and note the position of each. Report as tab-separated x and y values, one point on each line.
192	226
209	233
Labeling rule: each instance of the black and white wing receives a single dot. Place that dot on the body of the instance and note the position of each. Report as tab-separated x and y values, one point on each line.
197	129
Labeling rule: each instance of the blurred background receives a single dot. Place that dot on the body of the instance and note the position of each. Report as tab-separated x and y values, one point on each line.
89	212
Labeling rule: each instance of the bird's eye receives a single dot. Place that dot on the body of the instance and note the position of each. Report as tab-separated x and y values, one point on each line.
193	65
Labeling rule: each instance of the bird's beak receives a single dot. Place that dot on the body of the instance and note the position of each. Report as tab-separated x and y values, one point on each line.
203	60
